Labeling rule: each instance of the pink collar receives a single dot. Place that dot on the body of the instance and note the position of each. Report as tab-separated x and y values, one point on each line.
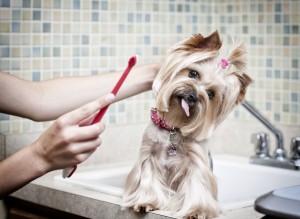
158	121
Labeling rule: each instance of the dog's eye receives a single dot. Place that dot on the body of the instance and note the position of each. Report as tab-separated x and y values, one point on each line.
193	74
210	94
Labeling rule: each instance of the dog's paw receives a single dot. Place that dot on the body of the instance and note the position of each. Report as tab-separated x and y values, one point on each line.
144	208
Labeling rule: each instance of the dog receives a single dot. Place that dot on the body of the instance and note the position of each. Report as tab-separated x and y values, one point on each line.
195	89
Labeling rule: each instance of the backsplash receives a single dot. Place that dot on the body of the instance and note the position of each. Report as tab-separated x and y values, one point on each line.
43	39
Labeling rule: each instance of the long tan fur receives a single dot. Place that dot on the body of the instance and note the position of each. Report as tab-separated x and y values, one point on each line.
184	183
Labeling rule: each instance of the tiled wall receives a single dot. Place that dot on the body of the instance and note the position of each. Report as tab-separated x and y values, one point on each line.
42	39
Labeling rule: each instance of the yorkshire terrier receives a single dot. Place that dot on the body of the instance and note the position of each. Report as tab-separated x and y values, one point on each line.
196	88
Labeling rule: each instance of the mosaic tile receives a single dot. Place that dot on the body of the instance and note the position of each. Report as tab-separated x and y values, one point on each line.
48	39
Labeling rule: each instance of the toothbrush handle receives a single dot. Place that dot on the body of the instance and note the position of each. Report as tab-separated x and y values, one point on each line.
68	172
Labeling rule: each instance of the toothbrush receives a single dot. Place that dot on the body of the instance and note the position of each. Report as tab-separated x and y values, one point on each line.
68	172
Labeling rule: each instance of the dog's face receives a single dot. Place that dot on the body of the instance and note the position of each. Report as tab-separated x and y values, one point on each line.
193	91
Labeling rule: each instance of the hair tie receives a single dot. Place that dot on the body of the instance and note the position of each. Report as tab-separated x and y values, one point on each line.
224	63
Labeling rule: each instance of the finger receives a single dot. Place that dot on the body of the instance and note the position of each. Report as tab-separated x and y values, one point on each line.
84	133
77	115
84	156
83	147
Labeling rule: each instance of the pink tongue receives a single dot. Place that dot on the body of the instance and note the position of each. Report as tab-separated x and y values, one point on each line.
185	107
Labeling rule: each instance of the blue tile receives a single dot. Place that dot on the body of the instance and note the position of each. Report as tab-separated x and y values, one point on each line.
4	117
277	18
155	7
245	29
130	17
5	3
295	29
171	7
179	28
277	117
56	51
16	14
46	27
26	3
278	7
76	52
295	75
76	4
179	7
95	5
104	5
277	74
103	51
15	27
194	19
36	15
76	63
295	108
4	40
147	18
147	40
285	107
85	39
269	74
46	52
36	52
122	28
36	76
286	29
15	65
286	74
4	52
295	63
139	17
26	52
57	3
187	8
155	50
36	3
295	97
269	62
95	16
268	106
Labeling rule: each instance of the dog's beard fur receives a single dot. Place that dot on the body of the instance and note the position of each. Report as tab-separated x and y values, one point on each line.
194	94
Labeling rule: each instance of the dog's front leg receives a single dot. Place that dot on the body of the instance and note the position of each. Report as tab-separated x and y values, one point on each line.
196	195
145	188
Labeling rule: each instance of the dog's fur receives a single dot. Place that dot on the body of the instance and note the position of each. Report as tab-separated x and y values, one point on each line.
184	183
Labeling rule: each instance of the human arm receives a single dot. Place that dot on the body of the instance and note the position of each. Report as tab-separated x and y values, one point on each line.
65	143
49	99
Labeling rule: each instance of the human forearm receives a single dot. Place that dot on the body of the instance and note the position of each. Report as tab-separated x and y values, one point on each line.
18	170
47	100
64	94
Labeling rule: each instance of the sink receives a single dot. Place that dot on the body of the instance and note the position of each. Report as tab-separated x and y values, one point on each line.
239	182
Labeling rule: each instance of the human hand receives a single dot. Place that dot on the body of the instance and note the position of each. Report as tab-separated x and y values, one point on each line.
70	140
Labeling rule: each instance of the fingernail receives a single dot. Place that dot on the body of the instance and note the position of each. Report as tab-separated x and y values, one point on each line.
109	98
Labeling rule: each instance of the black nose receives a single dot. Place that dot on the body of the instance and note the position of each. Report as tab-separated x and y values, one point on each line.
192	97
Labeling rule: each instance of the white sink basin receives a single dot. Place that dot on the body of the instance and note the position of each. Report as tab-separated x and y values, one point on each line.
239	182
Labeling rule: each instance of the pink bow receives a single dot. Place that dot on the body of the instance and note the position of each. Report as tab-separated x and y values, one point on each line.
224	63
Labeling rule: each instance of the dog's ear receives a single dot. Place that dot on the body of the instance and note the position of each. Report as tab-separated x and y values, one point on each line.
211	42
244	81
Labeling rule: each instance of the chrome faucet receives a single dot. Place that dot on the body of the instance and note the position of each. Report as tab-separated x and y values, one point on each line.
261	140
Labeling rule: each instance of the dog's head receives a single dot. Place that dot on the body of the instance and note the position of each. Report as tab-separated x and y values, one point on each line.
197	87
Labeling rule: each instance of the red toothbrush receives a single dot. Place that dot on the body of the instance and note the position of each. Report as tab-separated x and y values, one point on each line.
68	172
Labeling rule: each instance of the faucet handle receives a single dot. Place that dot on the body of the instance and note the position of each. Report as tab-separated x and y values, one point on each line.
262	142
295	151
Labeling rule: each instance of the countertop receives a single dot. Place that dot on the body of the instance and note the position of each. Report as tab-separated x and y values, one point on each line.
91	204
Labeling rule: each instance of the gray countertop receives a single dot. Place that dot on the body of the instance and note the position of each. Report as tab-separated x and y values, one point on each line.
91	204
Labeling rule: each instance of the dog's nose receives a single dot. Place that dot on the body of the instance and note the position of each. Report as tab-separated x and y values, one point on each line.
192	97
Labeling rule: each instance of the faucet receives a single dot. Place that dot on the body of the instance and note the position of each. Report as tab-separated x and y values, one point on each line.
279	158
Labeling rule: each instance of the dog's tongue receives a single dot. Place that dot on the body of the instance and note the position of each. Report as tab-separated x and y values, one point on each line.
185	107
